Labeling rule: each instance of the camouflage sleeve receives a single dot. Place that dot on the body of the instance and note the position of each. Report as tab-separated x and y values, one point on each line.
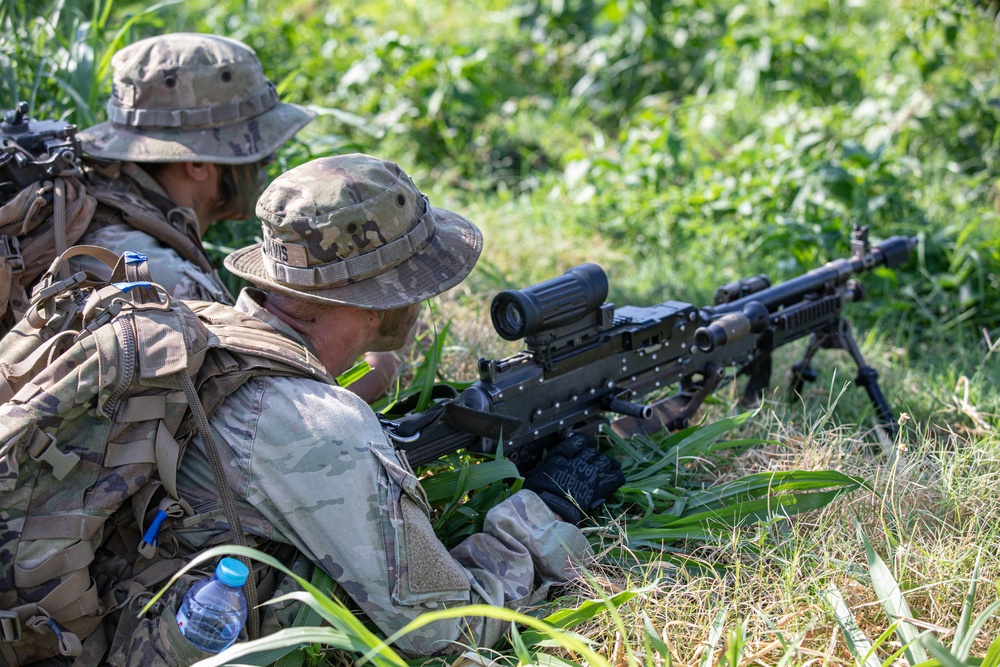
181	278
318	467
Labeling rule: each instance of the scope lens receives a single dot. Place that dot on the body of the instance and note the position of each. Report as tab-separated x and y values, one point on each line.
508	319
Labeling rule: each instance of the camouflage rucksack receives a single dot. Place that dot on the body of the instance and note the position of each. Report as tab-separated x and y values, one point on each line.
99	394
49	198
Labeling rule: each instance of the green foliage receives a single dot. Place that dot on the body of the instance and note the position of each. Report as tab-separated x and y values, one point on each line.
665	506
59	59
756	132
347	633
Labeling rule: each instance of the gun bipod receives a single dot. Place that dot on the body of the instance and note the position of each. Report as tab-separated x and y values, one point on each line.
838	336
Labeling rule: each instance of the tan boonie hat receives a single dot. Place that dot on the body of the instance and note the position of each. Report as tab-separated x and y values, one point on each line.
189	97
355	230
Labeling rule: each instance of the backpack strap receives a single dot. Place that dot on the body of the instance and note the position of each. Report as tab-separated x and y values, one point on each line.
248	337
59	230
226	496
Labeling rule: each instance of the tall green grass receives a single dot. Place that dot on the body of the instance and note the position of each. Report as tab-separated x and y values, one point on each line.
57	55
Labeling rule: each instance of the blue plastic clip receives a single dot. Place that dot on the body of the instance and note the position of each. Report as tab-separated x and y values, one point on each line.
125	287
154	528
56	629
132	257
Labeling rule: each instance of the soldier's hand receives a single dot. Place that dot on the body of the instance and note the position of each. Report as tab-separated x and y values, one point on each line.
574	479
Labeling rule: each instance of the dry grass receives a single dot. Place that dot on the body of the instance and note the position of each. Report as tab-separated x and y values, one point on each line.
929	512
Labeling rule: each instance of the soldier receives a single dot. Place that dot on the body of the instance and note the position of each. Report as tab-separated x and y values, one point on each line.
193	122
351	248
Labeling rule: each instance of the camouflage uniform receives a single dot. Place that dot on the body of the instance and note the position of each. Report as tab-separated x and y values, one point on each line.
311	467
310	462
181	97
193	278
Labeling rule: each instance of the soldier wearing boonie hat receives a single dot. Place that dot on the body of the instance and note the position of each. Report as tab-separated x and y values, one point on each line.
351	247
354	230
190	97
192	121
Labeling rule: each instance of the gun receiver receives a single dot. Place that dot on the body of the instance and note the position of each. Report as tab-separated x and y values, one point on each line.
585	359
32	150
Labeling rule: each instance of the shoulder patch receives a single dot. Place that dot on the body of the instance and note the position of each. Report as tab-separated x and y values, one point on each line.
431	568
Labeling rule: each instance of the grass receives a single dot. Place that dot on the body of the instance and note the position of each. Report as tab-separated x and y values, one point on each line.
682	145
769	579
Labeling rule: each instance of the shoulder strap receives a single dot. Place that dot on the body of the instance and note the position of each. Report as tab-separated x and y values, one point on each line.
244	347
249	337
226	496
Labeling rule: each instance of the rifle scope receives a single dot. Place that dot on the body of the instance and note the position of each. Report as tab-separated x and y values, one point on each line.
555	302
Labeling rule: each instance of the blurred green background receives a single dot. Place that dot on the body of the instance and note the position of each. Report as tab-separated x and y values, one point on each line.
681	145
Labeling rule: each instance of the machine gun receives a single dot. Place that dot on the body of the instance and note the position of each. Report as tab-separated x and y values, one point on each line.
586	359
33	150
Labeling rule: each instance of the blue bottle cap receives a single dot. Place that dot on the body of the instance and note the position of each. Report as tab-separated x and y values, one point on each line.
231	572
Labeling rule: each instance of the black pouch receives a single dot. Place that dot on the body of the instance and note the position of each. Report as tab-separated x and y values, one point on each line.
157	642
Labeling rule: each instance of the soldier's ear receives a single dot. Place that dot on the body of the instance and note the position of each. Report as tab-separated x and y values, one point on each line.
200	171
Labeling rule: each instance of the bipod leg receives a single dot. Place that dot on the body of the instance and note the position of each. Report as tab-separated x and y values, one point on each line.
758	372
867	378
802	372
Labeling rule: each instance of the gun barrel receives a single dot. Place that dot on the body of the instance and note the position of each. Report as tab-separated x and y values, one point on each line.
731	327
889	253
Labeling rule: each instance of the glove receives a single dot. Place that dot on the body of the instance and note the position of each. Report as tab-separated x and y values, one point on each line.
582	473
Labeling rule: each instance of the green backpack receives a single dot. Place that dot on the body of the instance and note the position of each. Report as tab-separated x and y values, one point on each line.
102	384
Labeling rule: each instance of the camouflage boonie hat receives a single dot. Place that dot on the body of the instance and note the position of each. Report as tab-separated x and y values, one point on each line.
355	230
189	97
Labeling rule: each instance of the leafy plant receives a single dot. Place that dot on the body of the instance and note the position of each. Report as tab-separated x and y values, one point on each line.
59	59
917	647
666	506
347	633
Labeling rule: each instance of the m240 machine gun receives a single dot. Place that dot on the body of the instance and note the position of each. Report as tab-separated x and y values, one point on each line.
585	359
34	150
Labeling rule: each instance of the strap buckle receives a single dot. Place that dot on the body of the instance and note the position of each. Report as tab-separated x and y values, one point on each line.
60	286
60	462
11	249
10	626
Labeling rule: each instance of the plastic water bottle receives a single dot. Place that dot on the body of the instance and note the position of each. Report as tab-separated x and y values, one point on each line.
214	610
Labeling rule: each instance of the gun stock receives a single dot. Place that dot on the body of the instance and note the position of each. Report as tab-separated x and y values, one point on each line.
586	361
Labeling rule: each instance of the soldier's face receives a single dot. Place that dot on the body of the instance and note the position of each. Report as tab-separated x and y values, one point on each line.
395	327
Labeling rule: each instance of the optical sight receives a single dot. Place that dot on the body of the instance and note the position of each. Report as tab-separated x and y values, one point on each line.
555	302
